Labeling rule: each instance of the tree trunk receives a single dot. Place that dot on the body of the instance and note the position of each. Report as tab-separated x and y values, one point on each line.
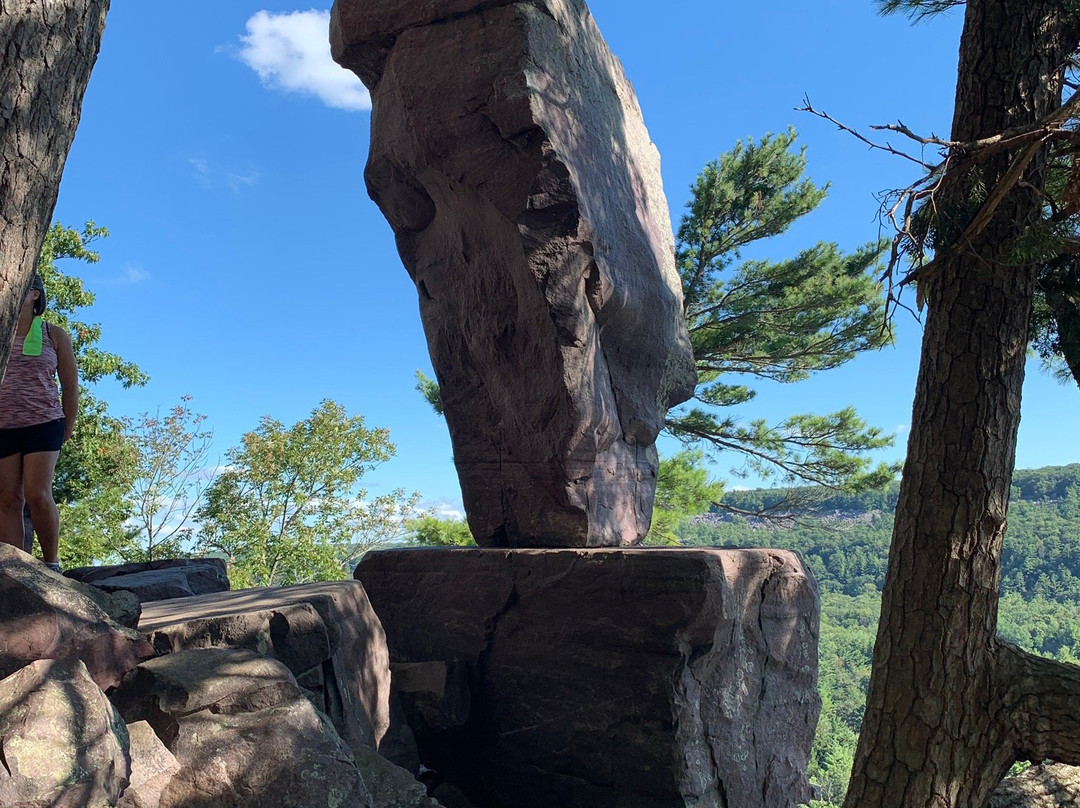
951	707
48	48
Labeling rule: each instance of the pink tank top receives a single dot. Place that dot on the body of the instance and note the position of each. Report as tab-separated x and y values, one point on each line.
29	394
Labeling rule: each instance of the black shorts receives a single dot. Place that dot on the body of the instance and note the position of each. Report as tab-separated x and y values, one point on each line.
47	437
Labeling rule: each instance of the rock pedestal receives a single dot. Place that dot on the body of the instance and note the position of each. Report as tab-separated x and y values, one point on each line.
605	678
509	155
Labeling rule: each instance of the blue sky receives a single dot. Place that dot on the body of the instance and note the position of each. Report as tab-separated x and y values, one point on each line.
248	268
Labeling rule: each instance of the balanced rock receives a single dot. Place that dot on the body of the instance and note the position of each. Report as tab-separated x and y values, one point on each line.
606	678
62	744
509	155
45	616
326	634
242	732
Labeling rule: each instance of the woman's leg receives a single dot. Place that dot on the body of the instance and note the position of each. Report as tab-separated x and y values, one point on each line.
11	500
38	470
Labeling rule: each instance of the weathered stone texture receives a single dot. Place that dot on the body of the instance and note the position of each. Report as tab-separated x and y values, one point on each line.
242	732
152	768
325	633
1053	785
45	616
158	580
606	678
61	742
509	155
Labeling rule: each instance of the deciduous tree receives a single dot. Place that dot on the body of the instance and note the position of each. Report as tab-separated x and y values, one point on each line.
289	508
170	476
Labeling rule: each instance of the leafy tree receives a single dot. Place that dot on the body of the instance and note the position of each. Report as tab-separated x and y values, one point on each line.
431	531
683	490
97	465
289	508
169	480
777	321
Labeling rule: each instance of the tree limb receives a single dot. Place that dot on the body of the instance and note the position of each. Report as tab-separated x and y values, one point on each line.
1042	695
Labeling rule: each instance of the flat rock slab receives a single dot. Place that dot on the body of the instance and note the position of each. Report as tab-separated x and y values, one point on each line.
158	580
46	616
608	678
325	633
509	155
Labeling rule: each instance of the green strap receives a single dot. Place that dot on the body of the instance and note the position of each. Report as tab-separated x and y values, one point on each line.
32	342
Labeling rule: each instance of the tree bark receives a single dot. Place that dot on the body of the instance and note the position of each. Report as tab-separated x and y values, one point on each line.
48	48
950	707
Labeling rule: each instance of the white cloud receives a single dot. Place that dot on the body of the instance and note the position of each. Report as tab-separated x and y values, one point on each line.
291	53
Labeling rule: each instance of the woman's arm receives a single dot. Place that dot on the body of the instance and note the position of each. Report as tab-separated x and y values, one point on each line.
69	377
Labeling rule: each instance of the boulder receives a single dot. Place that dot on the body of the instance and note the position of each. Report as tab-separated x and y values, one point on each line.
45	616
509	155
390	785
62	744
606	678
242	732
158	580
326	634
152	768
1050	785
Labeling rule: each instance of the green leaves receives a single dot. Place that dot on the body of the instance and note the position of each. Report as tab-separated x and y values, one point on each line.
779	321
288	508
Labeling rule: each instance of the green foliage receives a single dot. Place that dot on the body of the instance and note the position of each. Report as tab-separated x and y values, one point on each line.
431	531
846	544
683	490
169	480
289	508
429	389
97	465
779	321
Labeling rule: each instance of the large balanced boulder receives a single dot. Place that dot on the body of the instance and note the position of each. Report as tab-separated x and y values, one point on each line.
62	744
45	616
509	155
605	678
242	732
326	634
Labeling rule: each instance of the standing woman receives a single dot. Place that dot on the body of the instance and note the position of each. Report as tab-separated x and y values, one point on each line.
35	420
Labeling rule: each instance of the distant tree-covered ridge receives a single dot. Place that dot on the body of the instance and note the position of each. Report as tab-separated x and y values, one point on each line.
846	540
845	543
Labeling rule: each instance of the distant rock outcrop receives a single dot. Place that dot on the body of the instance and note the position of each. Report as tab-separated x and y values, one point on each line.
605	678
509	155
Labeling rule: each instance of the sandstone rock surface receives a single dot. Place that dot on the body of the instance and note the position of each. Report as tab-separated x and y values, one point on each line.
158	580
509	155
152	768
1052	785
609	678
243	733
326	634
45	616
62	744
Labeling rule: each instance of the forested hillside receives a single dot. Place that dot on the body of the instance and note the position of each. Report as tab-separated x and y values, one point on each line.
846	543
